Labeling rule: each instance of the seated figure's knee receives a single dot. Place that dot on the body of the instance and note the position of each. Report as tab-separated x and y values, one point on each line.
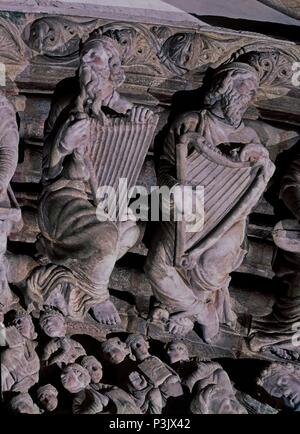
108	244
129	235
222	257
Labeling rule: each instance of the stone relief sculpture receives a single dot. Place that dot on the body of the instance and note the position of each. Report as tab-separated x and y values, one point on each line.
155	50
214	393
187	369
94	398
114	351
78	133
190	271
95	136
119	401
47	396
61	349
288	7
281	382
52	322
56	36
147	397
277	332
20	363
94	368
153	382
76	380
204	382
10	213
254	406
23	404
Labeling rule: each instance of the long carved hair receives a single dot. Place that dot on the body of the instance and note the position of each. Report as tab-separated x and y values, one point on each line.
90	95
222	90
117	75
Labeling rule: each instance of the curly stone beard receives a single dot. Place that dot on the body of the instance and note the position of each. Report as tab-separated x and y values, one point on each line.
93	81
234	106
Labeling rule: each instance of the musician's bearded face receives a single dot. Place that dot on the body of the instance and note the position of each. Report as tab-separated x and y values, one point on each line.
94	67
237	97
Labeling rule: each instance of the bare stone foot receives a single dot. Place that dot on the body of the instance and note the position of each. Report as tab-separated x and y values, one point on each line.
258	342
106	313
208	321
180	325
210	331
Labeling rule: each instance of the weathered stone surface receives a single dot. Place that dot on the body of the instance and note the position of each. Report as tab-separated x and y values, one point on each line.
90	301
127	10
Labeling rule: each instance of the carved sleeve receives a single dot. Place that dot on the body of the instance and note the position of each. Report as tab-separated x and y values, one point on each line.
55	125
50	348
9	141
89	401
290	190
188	122
167	164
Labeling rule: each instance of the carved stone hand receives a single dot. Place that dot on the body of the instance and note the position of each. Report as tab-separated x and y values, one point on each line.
254	153
188	203
185	123
137	381
75	135
140	114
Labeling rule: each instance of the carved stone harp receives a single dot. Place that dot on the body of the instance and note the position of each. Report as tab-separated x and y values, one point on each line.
117	151
230	188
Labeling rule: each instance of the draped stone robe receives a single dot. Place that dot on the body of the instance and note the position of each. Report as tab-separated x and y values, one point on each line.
71	234
203	289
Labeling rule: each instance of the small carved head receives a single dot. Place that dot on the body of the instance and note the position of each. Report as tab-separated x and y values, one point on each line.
94	368
52	322
23	404
139	346
282	381
177	351
101	55
114	350
233	88
23	323
75	378
47	397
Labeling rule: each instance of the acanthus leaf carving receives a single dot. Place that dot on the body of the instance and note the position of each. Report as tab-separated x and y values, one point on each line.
57	38
12	46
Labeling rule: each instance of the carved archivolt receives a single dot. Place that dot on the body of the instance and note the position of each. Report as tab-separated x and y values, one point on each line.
12	46
153	51
56	38
288	7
